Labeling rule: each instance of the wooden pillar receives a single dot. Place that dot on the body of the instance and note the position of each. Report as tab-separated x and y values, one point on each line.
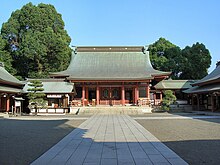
217	102
97	95
83	95
198	103
136	90
7	104
133	94
148	91
188	99
87	93
161	95
0	101
154	95
212	103
192	102
123	95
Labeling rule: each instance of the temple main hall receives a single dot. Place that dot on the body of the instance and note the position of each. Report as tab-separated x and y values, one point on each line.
112	75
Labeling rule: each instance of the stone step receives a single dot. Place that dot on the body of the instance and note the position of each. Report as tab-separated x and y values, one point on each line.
179	108
4	115
114	110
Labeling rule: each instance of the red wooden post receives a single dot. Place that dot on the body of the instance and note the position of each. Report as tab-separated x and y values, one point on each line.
133	95
83	95
7	104
87	93
123	95
161	96
97	95
136	94
148	91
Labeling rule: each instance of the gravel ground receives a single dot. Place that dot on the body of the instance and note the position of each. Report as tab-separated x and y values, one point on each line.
197	141
24	140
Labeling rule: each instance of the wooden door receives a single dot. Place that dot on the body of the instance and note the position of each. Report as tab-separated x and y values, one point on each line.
110	96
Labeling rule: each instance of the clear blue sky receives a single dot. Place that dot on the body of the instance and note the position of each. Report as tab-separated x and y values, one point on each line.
135	22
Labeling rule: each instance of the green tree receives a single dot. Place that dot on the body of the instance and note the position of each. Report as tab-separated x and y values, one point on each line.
37	41
198	60
166	56
5	56
36	95
168	99
157	52
189	63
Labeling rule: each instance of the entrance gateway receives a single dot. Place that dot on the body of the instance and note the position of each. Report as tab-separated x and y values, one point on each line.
111	75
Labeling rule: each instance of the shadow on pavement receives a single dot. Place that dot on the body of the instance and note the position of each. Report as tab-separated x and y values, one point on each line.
22	141
197	141
197	152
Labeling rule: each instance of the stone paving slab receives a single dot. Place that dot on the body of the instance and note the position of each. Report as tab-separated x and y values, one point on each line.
176	117
109	139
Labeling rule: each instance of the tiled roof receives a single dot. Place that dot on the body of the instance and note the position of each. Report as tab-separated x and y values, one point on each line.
204	89
213	76
8	78
174	84
9	89
110	63
53	86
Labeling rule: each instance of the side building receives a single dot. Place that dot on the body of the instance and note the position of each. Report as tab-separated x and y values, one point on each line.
10	87
177	86
111	75
205	93
58	93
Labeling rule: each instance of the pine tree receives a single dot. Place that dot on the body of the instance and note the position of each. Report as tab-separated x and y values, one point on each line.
36	95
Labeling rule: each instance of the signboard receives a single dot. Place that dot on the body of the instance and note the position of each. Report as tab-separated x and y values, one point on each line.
54	96
17	103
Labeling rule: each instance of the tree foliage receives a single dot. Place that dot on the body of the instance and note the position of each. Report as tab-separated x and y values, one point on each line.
36	95
5	56
189	63
168	99
37	41
165	56
198	60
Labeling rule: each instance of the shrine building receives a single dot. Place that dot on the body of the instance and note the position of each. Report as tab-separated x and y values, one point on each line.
205	93
118	75
10	88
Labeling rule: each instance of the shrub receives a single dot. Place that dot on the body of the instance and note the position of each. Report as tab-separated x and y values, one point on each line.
168	99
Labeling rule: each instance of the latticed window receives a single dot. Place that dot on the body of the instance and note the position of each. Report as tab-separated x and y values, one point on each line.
115	93
105	93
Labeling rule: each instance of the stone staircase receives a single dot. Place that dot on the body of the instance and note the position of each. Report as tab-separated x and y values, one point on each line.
113	110
180	108
4	115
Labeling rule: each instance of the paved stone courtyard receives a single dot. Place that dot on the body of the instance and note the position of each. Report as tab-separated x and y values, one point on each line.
110	139
196	139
